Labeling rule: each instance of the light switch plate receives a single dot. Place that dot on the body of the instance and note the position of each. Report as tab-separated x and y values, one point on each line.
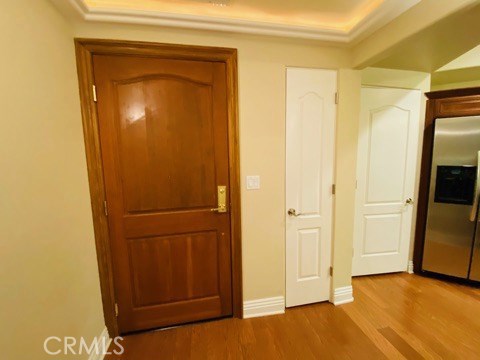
253	182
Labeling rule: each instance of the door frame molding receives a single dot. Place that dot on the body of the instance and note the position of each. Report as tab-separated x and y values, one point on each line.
85	49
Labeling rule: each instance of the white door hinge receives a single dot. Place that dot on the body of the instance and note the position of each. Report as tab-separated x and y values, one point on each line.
333	189
336	98
105	208
94	90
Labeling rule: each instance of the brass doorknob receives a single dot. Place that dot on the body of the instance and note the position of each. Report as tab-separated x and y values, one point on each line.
409	201
292	212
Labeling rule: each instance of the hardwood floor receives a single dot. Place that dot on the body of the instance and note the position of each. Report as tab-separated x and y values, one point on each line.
397	316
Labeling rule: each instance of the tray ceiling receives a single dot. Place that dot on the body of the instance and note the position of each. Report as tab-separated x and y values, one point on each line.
330	20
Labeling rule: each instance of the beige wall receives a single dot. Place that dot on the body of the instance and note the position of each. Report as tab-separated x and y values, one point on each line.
456	85
48	270
349	83
406	80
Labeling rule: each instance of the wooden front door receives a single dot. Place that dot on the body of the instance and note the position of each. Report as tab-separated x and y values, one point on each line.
163	127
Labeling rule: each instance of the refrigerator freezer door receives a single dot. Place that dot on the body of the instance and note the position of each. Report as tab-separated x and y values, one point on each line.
450	232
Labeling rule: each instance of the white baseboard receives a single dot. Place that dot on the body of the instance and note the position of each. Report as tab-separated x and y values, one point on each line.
263	307
103	338
342	295
410	267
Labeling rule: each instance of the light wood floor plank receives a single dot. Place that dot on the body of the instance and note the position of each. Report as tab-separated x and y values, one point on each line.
396	316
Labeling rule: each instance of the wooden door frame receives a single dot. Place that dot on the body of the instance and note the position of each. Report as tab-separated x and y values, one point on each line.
85	50
440	104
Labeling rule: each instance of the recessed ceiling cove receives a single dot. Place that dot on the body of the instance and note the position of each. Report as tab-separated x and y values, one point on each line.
330	20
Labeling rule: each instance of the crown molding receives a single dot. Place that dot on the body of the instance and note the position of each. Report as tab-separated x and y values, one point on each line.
376	19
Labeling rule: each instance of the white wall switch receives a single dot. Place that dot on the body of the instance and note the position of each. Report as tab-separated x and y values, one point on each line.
253	182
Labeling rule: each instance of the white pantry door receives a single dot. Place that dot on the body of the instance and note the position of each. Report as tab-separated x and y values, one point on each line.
386	164
311	112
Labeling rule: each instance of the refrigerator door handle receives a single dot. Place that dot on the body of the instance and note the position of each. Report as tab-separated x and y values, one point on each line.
476	194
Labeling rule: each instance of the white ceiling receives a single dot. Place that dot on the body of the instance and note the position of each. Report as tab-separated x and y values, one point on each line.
330	20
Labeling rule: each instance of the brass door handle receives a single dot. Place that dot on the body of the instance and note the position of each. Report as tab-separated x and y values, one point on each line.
221	199
293	212
409	201
220	209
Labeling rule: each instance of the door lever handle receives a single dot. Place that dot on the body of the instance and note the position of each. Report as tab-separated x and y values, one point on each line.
221	199
293	212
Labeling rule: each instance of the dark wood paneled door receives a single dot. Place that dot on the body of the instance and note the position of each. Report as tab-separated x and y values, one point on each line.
164	141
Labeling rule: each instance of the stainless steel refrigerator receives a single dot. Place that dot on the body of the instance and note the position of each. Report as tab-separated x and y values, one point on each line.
452	237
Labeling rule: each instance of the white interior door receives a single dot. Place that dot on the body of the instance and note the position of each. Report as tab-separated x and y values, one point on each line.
386	163
310	136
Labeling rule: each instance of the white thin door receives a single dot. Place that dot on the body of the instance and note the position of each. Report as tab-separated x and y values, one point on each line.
386	165
310	145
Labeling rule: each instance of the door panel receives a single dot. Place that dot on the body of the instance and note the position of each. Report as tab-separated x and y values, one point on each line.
158	279
163	132
382	234
179	112
386	164
311	106
387	155
309	177
308	244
